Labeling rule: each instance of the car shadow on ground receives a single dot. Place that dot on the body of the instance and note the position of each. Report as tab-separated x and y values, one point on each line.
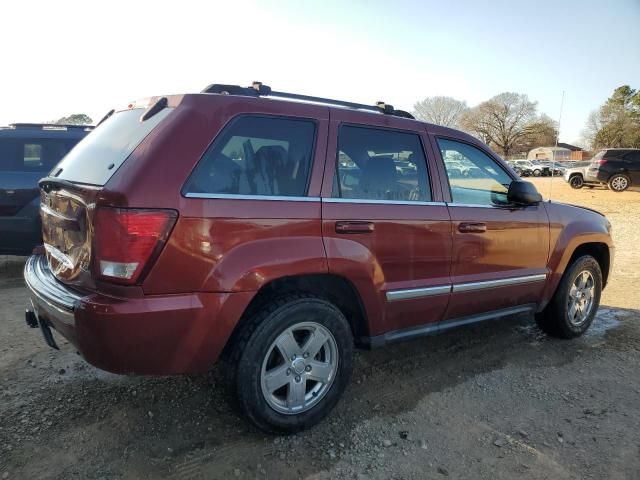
184	427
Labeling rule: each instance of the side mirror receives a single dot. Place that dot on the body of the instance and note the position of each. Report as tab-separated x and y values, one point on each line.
523	193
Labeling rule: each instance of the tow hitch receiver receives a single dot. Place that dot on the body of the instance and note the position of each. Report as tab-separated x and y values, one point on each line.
33	321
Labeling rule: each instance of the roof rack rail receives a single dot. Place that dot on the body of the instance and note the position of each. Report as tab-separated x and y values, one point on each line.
49	126
257	89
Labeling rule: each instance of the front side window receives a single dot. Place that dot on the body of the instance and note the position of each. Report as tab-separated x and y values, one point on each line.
257	156
474	177
376	164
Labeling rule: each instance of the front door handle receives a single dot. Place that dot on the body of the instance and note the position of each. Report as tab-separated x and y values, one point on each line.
354	227
472	227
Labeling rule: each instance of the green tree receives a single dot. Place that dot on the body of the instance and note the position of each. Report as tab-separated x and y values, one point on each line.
616	124
75	119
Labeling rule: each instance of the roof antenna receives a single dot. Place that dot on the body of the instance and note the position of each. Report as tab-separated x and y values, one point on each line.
553	155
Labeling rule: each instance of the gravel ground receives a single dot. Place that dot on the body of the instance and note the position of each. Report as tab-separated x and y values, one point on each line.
493	401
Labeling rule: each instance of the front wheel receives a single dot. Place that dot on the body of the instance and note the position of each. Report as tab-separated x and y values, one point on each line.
576	181
575	303
537	172
293	364
619	182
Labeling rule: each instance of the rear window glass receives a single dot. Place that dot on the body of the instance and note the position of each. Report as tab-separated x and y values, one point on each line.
97	157
257	156
32	154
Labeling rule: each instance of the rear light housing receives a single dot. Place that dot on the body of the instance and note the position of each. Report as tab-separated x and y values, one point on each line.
126	241
602	161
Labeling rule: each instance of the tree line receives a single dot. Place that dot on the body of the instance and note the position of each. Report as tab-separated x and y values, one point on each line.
510	123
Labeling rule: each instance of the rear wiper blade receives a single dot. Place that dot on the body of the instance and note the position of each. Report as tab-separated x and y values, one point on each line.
109	113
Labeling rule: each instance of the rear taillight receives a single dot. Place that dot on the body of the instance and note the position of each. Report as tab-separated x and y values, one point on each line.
127	240
600	162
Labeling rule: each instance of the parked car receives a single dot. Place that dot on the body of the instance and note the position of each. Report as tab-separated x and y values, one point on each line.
544	168
27	152
526	168
618	168
575	175
221	226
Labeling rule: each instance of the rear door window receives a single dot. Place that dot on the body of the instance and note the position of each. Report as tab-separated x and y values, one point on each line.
376	164
32	154
99	155
257	155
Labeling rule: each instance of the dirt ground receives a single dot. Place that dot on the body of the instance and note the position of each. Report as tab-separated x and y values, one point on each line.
494	401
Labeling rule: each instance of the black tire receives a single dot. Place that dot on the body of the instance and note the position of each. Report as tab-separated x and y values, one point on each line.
576	181
243	365
619	182
537	172
554	319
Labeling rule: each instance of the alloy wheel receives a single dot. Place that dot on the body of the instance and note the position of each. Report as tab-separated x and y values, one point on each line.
299	368
581	297
619	183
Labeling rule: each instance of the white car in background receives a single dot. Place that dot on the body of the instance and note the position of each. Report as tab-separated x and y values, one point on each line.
576	175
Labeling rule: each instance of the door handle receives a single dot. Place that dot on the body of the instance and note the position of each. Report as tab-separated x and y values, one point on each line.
354	227
472	227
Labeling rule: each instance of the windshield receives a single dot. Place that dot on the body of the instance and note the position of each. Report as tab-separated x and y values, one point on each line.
99	155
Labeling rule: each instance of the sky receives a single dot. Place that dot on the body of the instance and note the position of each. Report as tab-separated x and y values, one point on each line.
63	57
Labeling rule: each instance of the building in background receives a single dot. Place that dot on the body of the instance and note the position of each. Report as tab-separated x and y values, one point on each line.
562	153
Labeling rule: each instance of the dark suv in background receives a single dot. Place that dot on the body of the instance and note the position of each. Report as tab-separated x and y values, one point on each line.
27	153
619	168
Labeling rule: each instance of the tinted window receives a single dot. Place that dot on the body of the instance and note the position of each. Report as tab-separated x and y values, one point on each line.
474	177
32	155
257	156
378	164
633	157
97	157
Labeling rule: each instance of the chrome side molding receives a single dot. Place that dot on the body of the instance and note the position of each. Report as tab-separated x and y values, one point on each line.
502	282
405	294
393	295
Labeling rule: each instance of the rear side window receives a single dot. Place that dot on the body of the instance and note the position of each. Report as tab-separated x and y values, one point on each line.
257	156
97	157
375	164
33	154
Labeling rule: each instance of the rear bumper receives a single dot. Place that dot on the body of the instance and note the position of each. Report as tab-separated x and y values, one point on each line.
159	334
597	176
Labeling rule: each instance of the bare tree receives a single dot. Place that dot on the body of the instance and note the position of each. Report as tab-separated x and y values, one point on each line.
591	129
541	132
444	111
503	121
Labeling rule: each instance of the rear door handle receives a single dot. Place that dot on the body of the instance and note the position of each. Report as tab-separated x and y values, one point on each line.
472	227
354	227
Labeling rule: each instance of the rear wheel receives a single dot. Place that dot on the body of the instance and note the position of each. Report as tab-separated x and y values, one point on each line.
537	172
293	363
576	301
576	181
619	182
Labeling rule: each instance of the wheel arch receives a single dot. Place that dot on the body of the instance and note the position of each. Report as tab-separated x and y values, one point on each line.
336	289
596	248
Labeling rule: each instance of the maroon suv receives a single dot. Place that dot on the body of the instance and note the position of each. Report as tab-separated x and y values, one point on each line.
275	231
